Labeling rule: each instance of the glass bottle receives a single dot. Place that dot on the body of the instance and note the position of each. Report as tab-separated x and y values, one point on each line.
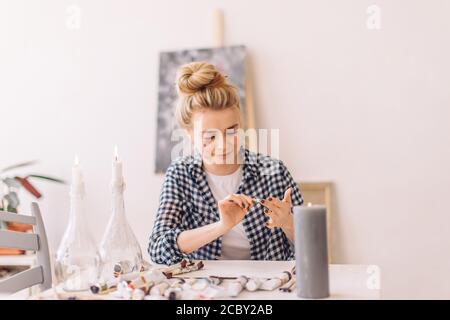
77	259
119	249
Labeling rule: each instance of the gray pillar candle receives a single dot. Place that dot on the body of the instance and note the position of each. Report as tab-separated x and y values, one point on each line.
311	251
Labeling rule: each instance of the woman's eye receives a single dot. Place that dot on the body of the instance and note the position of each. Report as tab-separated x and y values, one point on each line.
209	138
231	132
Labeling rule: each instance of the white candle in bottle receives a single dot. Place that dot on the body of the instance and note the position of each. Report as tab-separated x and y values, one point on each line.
119	245
76	263
77	186
117	174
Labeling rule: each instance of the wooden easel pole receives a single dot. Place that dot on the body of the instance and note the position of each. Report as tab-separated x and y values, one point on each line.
218	28
252	144
218	41
249	103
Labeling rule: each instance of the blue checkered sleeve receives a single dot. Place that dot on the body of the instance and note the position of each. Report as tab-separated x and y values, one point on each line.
163	246
297	200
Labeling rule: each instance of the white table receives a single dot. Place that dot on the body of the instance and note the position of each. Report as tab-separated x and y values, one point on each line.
346	281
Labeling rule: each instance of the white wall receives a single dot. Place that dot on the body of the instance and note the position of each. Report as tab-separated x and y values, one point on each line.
365	109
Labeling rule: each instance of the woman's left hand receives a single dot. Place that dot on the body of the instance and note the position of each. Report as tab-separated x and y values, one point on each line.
279	211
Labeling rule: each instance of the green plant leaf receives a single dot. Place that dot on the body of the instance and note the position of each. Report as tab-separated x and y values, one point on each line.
19	165
38	176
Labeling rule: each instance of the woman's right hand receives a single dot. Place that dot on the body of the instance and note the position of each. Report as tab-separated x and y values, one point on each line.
233	209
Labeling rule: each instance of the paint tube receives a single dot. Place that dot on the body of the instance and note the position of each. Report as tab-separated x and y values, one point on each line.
157	276
200	284
175	290
154	275
122	267
215	280
188	283
175	286
102	288
254	284
182	288
126	290
235	287
288	286
127	293
138	294
120	288
183	267
215	292
274	283
174	293
159	289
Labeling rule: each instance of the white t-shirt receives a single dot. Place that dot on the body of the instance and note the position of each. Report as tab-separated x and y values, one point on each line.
235	244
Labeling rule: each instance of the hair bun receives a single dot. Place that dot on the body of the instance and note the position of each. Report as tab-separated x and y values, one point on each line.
195	76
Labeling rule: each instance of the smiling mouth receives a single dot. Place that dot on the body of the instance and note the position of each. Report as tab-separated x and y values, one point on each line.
224	154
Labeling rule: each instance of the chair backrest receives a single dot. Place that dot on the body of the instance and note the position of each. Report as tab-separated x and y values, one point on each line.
37	275
319	193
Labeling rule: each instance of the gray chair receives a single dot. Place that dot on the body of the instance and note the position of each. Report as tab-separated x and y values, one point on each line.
37	275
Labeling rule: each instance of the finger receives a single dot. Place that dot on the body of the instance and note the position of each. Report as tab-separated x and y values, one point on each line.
248	199
275	201
237	200
272	214
245	200
270	224
268	212
287	196
269	204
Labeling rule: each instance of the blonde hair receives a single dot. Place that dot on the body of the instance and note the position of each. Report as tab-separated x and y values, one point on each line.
201	86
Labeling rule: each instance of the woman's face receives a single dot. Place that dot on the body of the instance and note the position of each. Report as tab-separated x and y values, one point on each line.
216	135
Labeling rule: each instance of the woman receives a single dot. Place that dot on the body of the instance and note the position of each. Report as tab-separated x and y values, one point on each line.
224	202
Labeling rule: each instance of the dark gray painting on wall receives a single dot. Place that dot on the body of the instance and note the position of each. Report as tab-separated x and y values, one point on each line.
230	60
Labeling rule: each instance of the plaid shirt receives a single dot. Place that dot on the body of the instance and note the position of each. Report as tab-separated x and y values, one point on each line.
186	202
